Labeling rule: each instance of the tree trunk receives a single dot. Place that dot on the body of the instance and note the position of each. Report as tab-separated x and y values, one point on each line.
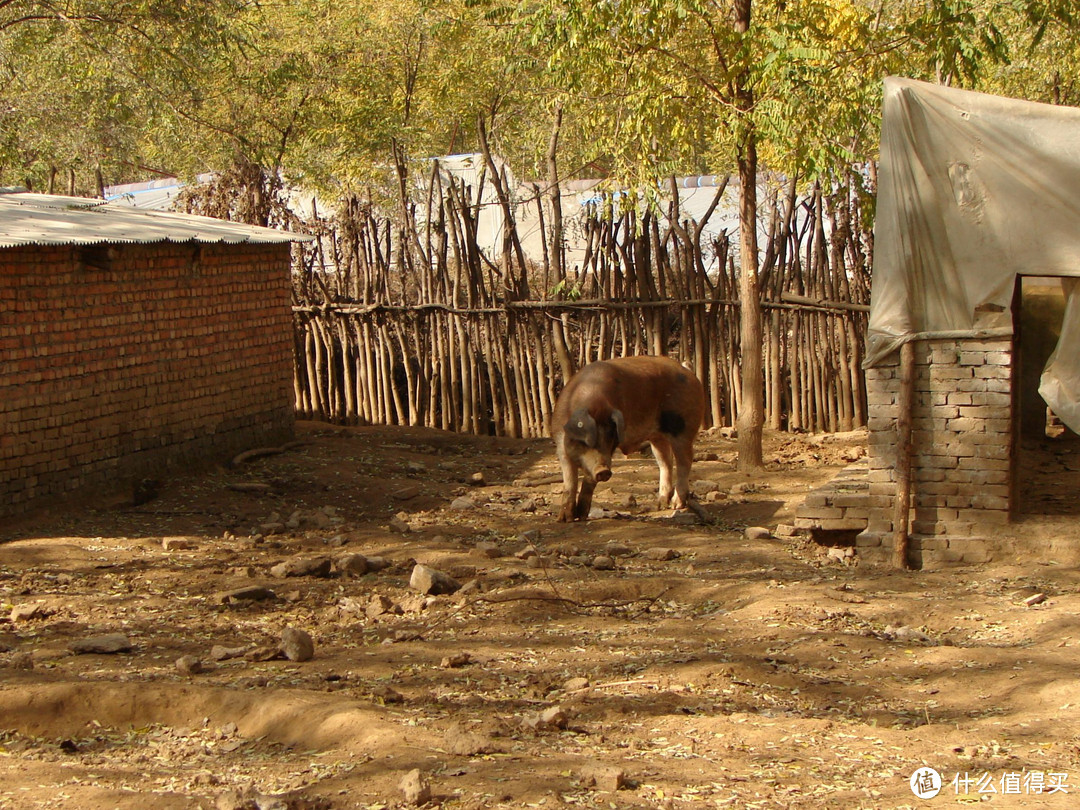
751	406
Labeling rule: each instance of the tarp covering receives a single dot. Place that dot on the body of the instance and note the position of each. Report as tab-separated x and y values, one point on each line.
973	190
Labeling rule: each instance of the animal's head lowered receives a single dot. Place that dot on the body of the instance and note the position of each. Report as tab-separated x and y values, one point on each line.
591	441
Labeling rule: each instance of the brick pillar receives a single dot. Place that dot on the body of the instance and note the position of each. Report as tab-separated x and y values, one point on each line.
962	424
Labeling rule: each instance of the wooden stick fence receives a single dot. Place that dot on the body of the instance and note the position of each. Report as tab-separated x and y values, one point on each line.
416	325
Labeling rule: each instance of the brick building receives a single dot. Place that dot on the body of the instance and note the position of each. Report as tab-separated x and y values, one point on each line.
977	197
133	343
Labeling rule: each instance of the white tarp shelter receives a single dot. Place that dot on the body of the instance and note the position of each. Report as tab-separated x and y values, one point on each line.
974	190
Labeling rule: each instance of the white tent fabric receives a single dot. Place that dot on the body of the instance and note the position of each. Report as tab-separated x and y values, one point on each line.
973	190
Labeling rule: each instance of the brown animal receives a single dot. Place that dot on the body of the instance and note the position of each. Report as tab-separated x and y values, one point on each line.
622	404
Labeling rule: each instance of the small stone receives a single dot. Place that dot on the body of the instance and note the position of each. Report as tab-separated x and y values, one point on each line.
526	553
377	563
415	787
380	606
456	661
415	467
406	493
29	610
462	504
530	536
189	665
107	644
618	550
836	554
252	593
660	554
353	565
430	581
703	488
603	778
785	530
221	653
603	563
756	533
303	567
488	549
477	480
747	487
528	505
1035	599
464	743
400	525
178	543
713	497
337	541
22	660
297	645
552	717
386	695
576	684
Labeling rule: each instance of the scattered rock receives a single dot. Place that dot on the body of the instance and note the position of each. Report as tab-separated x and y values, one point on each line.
603	562
430	581
526	553
660	554
303	567
189	665
756	533
602	777
840	554
23	660
353	565
220	653
380	606
106	645
406	493
28	610
528	505
488	549
457	660
464	743
462	504
703	488
415	468
713	497
909	635
477	480
178	543
747	487
297	645
386	695
785	530
619	550
530	536
1035	599
553	717
576	684
377	563
415	787
264	652
400	525
252	593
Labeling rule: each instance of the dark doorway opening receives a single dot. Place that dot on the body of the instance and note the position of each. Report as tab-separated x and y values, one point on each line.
1046	453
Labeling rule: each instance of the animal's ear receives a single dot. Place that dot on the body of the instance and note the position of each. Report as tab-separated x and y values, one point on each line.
581	427
620	426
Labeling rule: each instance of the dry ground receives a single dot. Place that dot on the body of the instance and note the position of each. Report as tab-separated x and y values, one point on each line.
742	673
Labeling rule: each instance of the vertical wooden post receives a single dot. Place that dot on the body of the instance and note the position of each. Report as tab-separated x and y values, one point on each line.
902	503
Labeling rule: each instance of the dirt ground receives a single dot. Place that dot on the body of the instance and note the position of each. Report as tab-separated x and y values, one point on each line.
633	661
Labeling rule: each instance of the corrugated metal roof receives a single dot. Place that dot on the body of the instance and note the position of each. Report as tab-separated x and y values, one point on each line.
46	219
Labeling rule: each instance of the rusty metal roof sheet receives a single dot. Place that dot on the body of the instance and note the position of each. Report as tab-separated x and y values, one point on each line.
46	219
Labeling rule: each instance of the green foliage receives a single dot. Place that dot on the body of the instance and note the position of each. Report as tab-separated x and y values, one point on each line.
318	91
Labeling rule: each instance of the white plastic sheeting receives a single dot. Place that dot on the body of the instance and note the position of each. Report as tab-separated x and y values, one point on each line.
974	190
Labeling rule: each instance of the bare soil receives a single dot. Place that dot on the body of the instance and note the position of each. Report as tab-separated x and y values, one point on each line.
740	673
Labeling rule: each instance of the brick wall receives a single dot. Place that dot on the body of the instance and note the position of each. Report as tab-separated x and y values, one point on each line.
961	448
130	361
